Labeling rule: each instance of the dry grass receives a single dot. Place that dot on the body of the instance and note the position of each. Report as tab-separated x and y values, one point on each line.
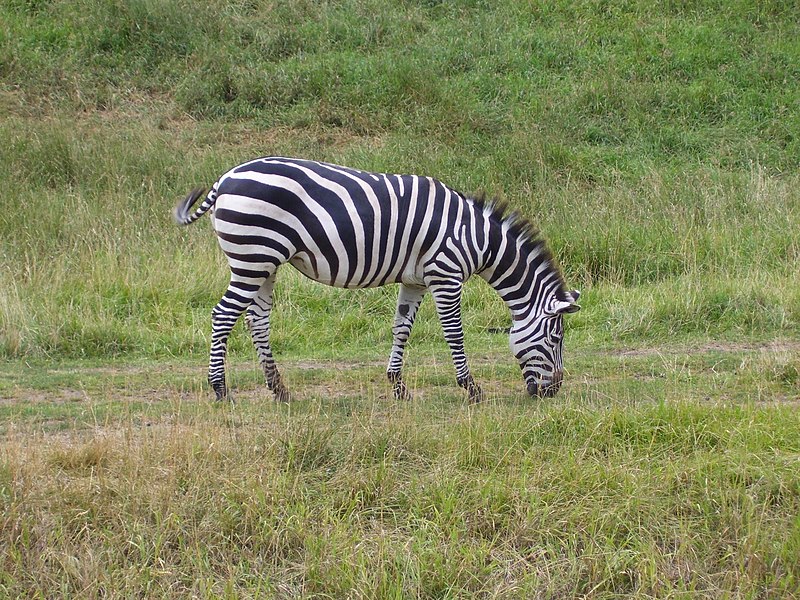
621	486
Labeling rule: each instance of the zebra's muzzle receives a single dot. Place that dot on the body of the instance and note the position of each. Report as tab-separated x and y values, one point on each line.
545	389
537	390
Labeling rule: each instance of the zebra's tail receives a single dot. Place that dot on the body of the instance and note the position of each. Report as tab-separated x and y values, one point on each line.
181	212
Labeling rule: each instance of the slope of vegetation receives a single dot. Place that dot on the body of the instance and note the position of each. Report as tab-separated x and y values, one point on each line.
656	146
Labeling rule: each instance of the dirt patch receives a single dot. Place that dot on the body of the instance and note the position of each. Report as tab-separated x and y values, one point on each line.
124	369
187	369
61	396
775	346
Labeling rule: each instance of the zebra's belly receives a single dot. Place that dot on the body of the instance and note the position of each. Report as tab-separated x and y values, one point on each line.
310	267
302	262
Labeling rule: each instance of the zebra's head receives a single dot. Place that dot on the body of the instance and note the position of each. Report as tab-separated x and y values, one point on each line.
537	345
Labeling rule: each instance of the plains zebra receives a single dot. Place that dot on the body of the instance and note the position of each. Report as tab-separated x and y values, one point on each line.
355	229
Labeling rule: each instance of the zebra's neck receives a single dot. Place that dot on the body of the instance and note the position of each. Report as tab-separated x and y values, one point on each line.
520	268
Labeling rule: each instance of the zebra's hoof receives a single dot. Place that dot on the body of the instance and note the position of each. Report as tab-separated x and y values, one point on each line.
282	395
221	394
473	389
476	395
401	393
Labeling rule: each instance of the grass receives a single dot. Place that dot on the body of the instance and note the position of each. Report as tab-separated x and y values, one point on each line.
654	144
654	147
618	487
717	251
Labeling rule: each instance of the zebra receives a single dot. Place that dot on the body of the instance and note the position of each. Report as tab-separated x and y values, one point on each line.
356	229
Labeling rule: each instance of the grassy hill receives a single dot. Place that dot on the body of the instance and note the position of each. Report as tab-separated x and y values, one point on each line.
656	146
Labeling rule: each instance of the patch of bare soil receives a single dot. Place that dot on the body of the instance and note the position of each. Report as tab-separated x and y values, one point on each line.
62	396
775	346
154	369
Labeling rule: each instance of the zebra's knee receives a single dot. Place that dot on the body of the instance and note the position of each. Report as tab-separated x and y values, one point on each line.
218	315
256	319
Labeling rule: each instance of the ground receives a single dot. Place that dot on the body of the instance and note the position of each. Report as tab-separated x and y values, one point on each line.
657	471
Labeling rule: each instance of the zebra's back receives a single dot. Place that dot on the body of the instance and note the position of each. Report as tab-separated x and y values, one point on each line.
339	226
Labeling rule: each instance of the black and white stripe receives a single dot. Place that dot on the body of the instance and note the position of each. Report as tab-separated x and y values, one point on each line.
355	229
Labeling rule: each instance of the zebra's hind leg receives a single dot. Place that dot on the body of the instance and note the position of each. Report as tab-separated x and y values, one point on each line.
408	301
257	319
234	302
446	294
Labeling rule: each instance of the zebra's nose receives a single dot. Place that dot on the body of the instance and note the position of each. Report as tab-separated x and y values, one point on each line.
534	389
546	389
555	385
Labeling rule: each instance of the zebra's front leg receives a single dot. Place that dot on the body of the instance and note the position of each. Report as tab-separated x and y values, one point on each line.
257	319
447	296
408	301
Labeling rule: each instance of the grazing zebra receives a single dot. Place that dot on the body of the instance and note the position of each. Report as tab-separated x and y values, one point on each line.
354	229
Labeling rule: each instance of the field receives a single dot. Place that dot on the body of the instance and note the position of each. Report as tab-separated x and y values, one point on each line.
656	146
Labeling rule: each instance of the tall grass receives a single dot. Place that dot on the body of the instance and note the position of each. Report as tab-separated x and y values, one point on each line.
655	146
93	265
561	501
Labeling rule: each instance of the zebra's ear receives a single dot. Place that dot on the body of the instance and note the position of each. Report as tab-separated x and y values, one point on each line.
562	308
569	305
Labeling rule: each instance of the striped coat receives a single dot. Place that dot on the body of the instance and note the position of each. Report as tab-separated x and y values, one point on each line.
355	229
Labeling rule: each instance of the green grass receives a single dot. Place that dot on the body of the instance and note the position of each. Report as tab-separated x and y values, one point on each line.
94	267
654	144
652	475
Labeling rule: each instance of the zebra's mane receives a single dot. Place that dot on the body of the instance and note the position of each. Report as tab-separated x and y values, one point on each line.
528	234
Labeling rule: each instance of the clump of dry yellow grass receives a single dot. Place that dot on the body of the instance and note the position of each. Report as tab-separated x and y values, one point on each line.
144	488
